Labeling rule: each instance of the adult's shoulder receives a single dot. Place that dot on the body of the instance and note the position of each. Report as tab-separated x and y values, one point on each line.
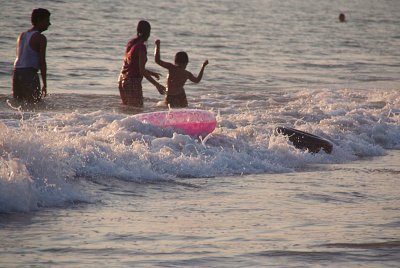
20	36
135	44
38	42
38	36
141	45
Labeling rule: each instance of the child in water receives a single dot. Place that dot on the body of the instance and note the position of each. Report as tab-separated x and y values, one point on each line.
177	77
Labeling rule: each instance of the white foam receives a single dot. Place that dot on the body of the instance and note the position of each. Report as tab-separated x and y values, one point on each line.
44	158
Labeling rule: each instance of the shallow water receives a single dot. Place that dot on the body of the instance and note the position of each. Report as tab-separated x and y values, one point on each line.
82	183
326	216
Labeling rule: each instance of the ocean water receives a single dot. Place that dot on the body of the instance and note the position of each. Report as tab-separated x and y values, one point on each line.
83	184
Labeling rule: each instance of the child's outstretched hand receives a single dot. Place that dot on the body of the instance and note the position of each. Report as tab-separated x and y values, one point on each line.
157	42
205	63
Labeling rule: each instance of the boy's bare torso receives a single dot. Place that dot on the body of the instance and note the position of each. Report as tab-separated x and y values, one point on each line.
177	78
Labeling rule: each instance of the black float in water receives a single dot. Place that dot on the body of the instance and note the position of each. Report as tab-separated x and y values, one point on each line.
304	140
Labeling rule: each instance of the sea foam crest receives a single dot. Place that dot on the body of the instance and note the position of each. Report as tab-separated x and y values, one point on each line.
32	173
47	157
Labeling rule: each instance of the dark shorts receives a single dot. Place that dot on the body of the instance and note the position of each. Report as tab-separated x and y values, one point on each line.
130	90
26	84
176	100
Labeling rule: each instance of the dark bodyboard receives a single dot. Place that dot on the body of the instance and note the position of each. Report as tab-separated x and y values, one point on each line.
305	141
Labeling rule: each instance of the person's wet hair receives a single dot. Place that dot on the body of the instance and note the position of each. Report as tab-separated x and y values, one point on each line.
143	29
39	14
181	58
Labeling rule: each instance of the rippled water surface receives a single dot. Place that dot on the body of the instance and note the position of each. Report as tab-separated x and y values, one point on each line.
82	183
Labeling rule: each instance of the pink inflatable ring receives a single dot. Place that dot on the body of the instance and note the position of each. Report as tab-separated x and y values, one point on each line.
192	122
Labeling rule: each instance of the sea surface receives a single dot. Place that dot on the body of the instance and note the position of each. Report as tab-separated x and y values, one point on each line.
84	184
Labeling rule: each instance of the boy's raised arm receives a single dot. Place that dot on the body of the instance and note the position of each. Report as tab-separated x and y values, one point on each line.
200	76
157	56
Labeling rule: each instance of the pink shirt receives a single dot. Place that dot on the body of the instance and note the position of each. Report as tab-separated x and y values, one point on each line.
130	68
